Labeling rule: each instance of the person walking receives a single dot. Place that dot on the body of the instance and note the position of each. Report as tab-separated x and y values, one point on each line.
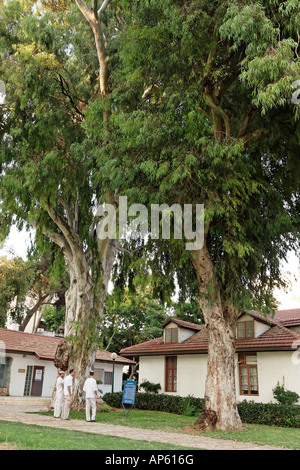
68	391
91	395
59	397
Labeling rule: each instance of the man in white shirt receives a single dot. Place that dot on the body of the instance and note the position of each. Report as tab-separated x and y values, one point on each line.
68	391
91	394
59	397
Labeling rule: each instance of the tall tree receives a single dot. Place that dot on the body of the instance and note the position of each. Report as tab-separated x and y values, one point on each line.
49	65
203	113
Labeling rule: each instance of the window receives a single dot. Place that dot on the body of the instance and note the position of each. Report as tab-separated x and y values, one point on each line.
171	335
98	375
171	374
107	378
4	373
28	381
245	329
248	374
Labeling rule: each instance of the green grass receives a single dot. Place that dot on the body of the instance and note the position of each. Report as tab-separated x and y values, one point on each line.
288	438
154	420
31	437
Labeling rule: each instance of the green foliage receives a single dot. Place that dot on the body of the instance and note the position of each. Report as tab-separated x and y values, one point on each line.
283	396
16	278
150	387
269	414
54	317
157	402
131	319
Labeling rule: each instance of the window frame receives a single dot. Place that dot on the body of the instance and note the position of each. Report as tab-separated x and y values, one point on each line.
107	373
245	323
242	362
173	336
173	376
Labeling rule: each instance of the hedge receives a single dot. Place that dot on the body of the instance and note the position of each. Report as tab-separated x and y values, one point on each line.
157	402
270	414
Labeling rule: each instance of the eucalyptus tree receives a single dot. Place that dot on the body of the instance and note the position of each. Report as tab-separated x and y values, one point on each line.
50	66
203	113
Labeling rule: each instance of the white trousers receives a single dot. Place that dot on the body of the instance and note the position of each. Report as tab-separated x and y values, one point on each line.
59	401
90	403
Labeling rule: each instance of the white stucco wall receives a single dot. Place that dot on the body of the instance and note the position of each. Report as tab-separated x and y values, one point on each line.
20	362
118	374
191	374
273	367
17	379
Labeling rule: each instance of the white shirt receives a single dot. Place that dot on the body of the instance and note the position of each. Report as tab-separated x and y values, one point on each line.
68	382
59	383
90	387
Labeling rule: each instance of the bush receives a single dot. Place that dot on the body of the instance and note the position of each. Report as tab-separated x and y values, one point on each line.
285	397
150	387
270	414
158	402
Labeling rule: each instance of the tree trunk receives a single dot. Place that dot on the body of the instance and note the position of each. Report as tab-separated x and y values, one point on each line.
85	301
220	410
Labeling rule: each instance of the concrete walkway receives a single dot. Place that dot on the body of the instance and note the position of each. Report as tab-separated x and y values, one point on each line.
20	414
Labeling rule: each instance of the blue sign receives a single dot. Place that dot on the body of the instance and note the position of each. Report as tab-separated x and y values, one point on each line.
129	393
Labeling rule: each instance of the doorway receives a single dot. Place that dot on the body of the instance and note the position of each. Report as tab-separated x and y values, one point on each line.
37	381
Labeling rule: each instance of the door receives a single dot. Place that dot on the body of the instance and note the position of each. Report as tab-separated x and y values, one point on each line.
37	381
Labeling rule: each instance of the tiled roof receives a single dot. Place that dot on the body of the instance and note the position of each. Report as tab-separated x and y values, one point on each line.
43	347
277	337
183	324
288	317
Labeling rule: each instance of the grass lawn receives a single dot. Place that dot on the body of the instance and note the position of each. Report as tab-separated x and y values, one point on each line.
18	436
262	435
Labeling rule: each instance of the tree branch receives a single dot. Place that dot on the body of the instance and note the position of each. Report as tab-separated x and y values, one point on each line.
85	10
103	7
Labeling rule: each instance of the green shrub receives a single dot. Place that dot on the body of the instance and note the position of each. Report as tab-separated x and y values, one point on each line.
285	397
150	387
270	414
157	402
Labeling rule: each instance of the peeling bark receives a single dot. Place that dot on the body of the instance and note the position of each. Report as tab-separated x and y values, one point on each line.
220	410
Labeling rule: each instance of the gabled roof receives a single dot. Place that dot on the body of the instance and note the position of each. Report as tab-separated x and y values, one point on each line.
276	338
182	324
43	347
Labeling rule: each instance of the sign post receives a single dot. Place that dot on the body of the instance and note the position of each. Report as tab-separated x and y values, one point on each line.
129	393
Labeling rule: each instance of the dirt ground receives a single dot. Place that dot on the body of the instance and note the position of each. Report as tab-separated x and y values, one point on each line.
6	446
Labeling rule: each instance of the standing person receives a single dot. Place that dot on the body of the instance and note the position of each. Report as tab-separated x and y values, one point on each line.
68	390
59	398
91	394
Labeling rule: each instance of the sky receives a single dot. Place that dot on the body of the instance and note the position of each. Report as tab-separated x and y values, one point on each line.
18	243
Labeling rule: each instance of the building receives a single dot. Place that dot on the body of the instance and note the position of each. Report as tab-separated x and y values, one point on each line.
27	367
266	353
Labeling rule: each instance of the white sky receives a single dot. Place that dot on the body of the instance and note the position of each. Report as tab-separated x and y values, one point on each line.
18	242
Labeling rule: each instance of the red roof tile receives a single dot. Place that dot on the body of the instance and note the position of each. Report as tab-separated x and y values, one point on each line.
183	324
289	317
278	337
43	347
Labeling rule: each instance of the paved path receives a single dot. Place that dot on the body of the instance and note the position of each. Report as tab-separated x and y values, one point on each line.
20	414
